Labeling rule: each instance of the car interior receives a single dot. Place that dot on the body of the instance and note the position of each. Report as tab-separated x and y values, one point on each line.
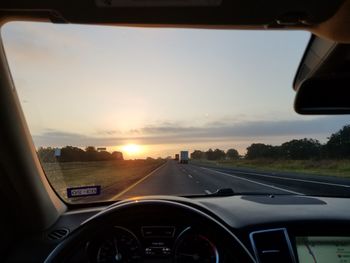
38	226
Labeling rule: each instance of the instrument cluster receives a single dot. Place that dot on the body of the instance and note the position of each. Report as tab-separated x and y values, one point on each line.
161	243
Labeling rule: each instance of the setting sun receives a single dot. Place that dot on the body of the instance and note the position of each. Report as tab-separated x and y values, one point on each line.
131	149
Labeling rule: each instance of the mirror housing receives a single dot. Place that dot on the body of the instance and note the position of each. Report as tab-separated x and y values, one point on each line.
323	96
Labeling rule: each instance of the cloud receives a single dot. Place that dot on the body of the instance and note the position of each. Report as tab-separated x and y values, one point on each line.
108	132
167	133
309	127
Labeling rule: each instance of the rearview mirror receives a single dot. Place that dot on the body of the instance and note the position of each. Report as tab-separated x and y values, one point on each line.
323	96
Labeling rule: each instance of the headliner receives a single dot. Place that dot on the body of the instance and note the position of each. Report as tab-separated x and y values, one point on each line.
325	18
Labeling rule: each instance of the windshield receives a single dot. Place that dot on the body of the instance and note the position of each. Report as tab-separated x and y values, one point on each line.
118	112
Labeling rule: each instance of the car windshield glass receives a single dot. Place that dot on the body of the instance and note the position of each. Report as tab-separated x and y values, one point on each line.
117	112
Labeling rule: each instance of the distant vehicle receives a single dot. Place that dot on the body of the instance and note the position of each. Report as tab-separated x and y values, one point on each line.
177	157
183	157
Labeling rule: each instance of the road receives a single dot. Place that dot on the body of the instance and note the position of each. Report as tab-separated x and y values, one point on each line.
188	179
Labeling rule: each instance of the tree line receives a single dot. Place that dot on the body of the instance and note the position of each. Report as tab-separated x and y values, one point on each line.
75	154
337	147
216	154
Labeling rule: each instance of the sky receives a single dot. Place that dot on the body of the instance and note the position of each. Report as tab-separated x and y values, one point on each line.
164	90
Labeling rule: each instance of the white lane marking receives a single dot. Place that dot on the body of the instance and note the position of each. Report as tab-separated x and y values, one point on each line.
190	176
251	181
134	184
293	179
207	192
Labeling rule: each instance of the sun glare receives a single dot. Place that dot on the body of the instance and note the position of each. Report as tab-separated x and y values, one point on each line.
131	149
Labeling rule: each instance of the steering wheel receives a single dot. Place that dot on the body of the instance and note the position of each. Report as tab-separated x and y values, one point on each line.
129	208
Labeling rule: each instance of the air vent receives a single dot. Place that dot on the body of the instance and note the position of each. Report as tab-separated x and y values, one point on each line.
58	234
272	246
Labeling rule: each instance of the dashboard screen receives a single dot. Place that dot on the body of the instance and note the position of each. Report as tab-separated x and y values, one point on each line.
323	249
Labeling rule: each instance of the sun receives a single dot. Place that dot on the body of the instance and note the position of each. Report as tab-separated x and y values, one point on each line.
132	149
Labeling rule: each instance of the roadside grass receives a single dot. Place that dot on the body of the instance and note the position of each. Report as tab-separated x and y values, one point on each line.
119	174
339	168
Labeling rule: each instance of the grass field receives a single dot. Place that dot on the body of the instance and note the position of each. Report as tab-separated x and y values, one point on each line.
112	176
339	168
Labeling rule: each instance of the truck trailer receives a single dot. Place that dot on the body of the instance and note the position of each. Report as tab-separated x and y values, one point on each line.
183	157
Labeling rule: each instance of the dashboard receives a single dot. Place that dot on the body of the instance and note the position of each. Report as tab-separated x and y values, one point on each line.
259	228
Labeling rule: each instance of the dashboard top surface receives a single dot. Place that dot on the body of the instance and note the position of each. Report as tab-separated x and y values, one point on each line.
252	210
245	211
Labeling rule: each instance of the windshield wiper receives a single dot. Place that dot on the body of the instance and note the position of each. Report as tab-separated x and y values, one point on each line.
230	192
223	192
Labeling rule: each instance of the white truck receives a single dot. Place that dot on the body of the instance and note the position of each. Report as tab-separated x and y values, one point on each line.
183	157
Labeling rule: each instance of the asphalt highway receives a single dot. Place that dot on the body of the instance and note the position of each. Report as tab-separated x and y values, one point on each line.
189	179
